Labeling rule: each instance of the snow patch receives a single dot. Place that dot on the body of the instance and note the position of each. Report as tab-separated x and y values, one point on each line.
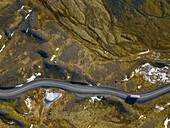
31	126
2	48
0	36
57	49
28	103
27	30
52	58
19	85
12	34
68	77
85	107
159	108
154	74
89	126
12	122
51	97
31	78
89	85
126	79
22	7
142	117
27	16
106	52
139	87
166	122
141	53
94	98
38	74
29	10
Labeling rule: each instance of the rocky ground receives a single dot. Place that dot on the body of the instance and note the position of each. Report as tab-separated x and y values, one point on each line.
118	43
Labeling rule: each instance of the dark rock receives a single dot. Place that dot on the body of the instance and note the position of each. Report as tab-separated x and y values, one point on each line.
33	21
35	67
25	8
36	8
43	53
7	31
23	13
161	63
21	2
40	37
57	70
24	29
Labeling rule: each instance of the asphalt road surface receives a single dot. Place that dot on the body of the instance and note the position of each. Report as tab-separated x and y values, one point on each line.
13	93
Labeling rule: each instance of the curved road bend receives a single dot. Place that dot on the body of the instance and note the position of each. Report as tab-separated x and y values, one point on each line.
79	89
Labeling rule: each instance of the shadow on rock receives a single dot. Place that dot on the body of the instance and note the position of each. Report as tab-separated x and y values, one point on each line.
119	105
130	100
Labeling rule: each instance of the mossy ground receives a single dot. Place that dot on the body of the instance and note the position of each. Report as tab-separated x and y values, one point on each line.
98	49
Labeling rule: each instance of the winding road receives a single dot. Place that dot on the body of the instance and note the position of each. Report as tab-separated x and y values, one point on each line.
13	93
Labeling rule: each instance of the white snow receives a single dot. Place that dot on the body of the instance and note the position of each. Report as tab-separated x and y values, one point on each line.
19	85
38	74
139	87
133	74
154	74
27	16
57	49
141	53
52	58
29	10
0	36
12	122
106	52
31	78
166	122
99	84
85	107
142	117
22	7
159	108
12	34
51	97
31	126
126	79
94	98
2	48
138	57
89	85
28	103
68	77
27	30
89	126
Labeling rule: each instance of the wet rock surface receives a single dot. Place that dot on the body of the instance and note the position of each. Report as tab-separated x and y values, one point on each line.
94	42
